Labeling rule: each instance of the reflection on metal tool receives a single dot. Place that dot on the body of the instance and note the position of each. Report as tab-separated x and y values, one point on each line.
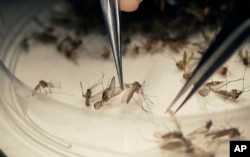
111	14
234	32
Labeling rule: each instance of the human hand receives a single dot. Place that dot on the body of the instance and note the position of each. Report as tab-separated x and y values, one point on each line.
129	5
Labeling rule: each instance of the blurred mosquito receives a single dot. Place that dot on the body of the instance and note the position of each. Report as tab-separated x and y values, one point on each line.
43	85
24	44
223	71
244	57
46	35
133	88
187	72
181	64
106	52
230	132
173	134
157	46
202	130
176	141
68	47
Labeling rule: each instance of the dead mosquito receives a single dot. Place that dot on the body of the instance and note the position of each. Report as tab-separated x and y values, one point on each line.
105	98
88	93
42	85
230	132
46	35
131	89
233	94
245	58
24	44
176	141
176	46
181	64
207	87
68	47
106	94
156	46
210	86
187	72
106	52
134	50
202	130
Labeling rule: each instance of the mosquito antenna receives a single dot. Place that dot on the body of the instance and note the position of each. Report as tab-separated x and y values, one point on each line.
82	89
243	82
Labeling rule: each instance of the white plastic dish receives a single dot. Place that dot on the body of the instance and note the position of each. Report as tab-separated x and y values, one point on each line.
59	124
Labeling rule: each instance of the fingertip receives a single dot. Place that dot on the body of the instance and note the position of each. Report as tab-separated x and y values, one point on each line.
129	5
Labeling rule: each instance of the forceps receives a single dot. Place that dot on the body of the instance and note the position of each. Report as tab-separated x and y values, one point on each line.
233	33
111	13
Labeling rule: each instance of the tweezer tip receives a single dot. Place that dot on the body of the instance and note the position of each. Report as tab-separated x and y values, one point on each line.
170	106
121	85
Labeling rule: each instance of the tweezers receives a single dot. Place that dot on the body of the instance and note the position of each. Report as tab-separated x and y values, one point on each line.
233	33
111	14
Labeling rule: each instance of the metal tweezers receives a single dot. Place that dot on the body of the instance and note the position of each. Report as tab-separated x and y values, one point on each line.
234	32
110	9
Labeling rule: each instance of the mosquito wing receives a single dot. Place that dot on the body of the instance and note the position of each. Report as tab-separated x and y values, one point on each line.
96	97
202	130
125	97
111	88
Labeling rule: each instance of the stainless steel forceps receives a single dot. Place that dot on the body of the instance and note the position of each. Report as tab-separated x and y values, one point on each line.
233	33
111	14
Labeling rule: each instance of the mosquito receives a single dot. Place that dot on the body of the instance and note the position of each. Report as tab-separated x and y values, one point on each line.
207	87
43	85
157	46
46	35
230	132
202	130
181	64
106	52
24	44
88	93
135	49
186	74
245	58
68	47
106	94
176	141
105	98
133	88
173	140
233	94
188	70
